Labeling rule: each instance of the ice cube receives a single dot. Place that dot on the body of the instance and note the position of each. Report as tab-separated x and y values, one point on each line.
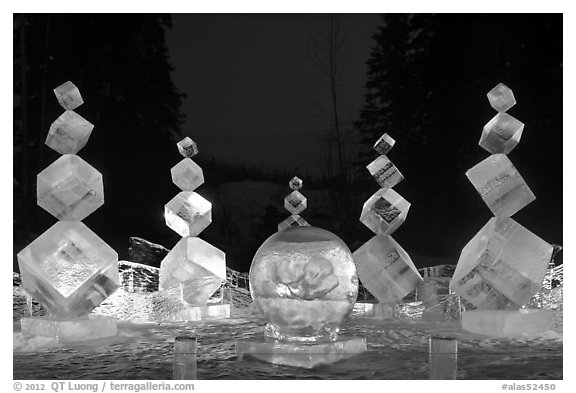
293	221
502	323
384	172
69	133
501	97
187	175
187	147
500	185
70	330
295	183
384	144
295	203
384	211
68	96
501	134
188	213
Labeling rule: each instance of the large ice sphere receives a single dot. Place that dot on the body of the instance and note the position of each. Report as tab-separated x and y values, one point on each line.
385	269
187	175
69	133
69	269
197	267
501	134
384	144
384	211
295	202
188	213
501	97
70	188
500	185
68	96
303	281
502	323
385	172
293	221
502	267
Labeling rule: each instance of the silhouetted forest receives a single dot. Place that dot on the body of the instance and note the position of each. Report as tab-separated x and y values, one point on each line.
428	76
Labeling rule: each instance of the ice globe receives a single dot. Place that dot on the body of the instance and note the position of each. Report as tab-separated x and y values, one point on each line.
303	281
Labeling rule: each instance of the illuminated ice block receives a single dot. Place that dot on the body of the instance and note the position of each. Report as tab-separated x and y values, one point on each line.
188	213
293	221
501	97
295	202
68	96
187	147
70	330
384	211
384	172
70	188
295	183
500	185
300	354
187	175
195	266
69	133
69	269
384	144
199	313
501	134
502	267
501	323
385	269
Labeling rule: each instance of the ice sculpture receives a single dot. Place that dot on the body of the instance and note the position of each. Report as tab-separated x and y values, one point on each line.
303	282
504	264
384	268
194	267
68	268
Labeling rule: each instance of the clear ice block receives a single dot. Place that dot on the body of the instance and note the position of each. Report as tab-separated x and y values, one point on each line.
384	144
68	96
187	175
384	211
385	269
187	147
501	97
295	183
70	330
293	221
385	172
69	269
501	323
500	185
501	134
197	267
69	133
188	213
70	188
502	267
199	313
295	202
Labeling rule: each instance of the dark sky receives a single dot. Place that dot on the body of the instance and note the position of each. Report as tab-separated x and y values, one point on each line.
250	80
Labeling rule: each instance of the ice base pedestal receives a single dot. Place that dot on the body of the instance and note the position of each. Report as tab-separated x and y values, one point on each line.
70	330
501	323
306	355
198	313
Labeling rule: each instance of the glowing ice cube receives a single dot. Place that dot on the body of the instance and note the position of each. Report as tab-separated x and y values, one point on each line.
384	211
501	97
68	96
187	175
69	133
188	213
501	134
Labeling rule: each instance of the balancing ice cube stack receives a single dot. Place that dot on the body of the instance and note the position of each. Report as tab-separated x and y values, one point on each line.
504	265
68	268
193	266
295	203
383	267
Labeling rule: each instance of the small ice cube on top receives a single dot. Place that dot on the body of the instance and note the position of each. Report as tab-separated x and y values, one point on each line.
501	97
68	96
187	147
295	183
384	144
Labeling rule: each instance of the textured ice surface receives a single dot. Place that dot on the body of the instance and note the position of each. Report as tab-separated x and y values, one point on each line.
384	172
385	269
295	203
70	188
501	97
303	282
293	221
384	211
384	144
187	147
295	183
503	323
500	185
68	96
69	269
70	330
188	213
195	266
501	134
187	175
409	311
69	133
502	267
300	354
197	313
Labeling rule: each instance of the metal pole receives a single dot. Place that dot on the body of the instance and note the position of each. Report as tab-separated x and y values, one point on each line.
185	358
443	354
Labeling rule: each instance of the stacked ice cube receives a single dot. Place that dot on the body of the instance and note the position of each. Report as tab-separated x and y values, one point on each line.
295	203
68	268
384	268
193	265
